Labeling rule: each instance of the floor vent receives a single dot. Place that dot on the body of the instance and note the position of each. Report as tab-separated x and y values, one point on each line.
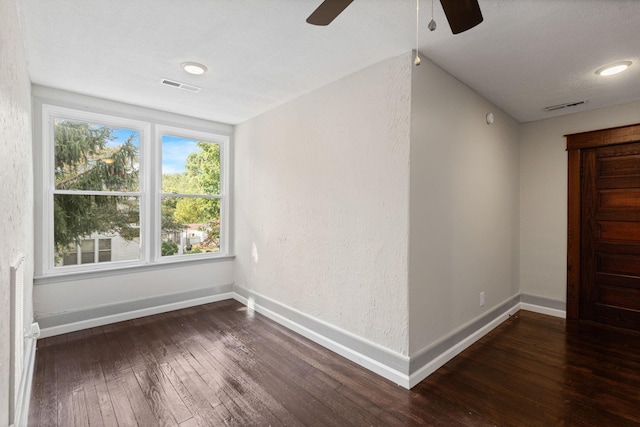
567	105
180	85
17	339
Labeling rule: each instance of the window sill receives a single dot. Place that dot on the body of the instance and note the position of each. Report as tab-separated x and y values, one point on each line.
116	271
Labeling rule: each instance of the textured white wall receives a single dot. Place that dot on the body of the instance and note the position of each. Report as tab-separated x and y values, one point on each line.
321	202
16	182
464	206
543	187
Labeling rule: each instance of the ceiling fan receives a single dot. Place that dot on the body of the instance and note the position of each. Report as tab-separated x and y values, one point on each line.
461	14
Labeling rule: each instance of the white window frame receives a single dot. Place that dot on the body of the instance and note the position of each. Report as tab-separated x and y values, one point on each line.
223	142
149	192
49	114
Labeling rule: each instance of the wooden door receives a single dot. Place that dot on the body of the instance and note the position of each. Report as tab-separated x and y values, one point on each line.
603	259
610	277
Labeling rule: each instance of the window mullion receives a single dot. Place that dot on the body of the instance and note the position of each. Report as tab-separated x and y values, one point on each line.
192	196
98	193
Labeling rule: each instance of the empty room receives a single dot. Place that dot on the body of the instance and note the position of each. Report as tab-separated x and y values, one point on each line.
331	213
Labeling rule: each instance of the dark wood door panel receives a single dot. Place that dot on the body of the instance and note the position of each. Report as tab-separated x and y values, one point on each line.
603	198
610	224
618	166
604	247
616	316
620	182
617	280
617	290
617	215
618	296
628	265
619	231
631	149
619	198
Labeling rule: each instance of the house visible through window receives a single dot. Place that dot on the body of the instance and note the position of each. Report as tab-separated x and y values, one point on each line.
85	252
113	196
104	250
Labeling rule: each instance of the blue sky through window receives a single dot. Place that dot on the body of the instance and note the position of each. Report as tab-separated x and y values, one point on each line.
121	135
175	150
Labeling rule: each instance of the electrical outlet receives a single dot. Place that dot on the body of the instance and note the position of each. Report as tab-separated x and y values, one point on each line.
482	299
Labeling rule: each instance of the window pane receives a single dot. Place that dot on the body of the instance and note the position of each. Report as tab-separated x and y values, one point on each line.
87	251
87	258
70	258
105	244
95	157
87	245
190	166
190	225
86	218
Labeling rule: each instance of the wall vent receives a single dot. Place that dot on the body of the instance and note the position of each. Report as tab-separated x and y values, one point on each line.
567	105
180	85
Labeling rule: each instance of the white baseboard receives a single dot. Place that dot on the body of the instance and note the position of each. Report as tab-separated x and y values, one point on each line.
50	331
409	375
26	381
436	363
400	369
544	310
347	352
443	357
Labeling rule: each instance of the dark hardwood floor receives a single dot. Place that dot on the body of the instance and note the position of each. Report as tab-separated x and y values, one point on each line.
221	364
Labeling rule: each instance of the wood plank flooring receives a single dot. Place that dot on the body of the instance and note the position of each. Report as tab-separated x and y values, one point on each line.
222	364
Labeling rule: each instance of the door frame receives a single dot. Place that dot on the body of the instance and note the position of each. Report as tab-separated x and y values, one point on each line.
576	142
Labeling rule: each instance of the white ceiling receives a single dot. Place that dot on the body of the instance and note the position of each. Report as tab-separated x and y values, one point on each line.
526	55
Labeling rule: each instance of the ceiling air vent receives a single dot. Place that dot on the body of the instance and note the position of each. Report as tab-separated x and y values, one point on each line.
179	85
567	105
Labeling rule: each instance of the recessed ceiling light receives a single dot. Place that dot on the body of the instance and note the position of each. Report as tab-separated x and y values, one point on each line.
193	68
611	69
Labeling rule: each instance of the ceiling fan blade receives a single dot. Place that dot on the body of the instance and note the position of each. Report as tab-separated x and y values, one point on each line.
328	11
462	14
